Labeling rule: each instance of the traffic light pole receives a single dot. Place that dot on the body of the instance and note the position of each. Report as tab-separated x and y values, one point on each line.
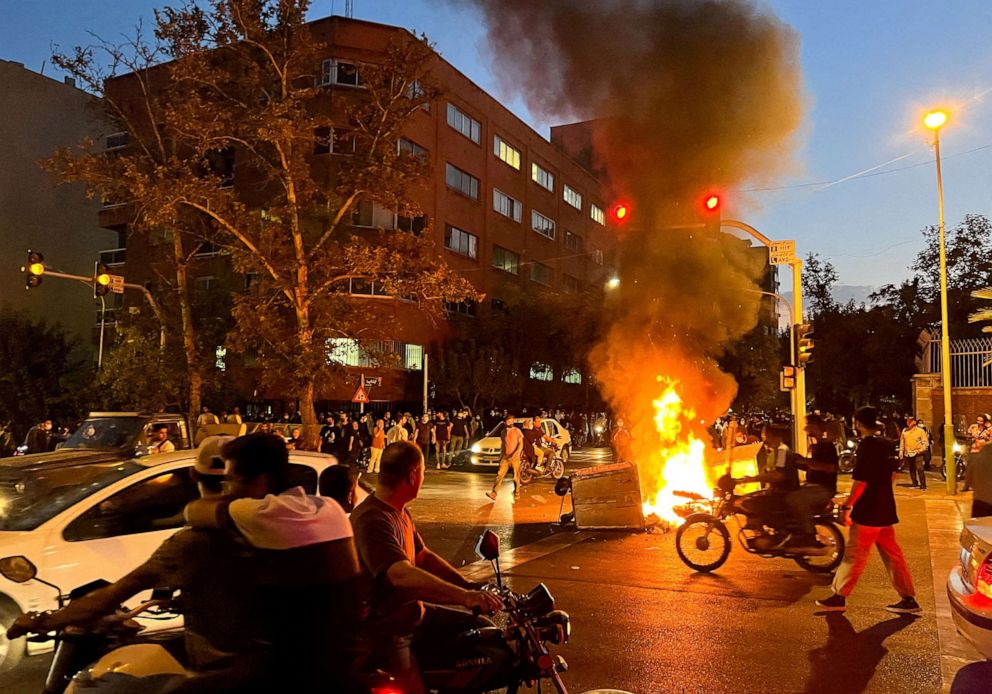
156	309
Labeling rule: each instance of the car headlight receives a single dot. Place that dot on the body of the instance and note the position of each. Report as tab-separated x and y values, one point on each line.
476	448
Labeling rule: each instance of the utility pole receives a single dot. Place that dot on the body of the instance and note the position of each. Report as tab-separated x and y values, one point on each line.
426	360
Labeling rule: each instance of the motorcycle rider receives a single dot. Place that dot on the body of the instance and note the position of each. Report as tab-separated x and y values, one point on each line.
220	633
820	486
777	468
409	583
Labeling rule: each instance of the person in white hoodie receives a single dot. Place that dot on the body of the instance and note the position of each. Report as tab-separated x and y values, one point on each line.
309	588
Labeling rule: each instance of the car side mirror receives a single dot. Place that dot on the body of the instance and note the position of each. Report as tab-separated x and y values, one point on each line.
18	569
488	546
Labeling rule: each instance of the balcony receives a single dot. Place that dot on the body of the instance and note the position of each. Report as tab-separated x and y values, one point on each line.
113	256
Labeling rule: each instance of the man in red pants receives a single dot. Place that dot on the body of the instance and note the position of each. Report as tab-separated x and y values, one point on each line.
872	517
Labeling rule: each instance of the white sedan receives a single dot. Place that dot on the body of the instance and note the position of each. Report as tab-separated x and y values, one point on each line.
969	585
485	452
79	522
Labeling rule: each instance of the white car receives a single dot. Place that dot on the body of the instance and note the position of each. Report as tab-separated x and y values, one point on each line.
83	521
969	585
485	451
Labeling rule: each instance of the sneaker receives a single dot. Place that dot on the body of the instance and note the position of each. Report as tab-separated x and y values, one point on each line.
907	605
491	495
835	603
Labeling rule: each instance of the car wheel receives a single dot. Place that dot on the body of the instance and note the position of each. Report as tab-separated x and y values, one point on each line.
11	651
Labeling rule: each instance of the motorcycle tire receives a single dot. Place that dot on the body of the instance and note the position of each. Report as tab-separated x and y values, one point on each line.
557	468
825	564
702	543
526	475
845	463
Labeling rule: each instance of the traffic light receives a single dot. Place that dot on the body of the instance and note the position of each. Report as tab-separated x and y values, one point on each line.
709	207
787	379
803	335
101	280
712	203
33	269
620	212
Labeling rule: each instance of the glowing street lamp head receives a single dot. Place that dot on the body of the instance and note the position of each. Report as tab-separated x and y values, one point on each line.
613	283
935	119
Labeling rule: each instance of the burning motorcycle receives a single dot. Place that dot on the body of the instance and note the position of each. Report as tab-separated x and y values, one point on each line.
703	541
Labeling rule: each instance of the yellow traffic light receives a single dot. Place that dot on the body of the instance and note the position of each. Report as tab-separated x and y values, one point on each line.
33	269
103	279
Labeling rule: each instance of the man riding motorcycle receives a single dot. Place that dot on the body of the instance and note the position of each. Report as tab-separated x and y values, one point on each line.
821	482
409	583
777	469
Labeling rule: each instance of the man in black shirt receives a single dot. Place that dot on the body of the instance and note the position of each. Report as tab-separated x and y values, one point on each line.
820	487
872	517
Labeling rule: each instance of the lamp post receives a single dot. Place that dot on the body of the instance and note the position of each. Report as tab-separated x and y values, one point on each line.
934	120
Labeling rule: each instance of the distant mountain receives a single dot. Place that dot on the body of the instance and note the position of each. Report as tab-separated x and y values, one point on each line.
842	294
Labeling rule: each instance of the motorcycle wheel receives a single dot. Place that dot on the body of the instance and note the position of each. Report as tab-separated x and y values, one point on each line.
702	543
557	468
526	474
845	464
830	535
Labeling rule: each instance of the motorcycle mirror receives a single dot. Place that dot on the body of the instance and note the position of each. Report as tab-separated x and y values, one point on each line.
488	546
18	569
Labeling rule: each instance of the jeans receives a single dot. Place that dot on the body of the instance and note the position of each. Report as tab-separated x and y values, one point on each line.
442	452
806	501
916	473
862	538
375	459
457	444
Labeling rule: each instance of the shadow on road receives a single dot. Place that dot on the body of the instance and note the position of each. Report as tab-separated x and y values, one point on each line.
849	655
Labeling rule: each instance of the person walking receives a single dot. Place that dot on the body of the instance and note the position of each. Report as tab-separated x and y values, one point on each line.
378	446
913	443
459	431
442	436
871	513
512	447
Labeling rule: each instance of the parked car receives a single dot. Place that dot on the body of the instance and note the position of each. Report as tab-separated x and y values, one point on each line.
969	585
485	451
127	433
90	517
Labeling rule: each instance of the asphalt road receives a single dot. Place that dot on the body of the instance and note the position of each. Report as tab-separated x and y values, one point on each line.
644	622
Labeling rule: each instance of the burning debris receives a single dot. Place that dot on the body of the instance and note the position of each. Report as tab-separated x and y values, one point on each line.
689	96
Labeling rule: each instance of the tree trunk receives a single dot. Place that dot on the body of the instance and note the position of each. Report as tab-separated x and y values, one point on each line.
308	415
189	330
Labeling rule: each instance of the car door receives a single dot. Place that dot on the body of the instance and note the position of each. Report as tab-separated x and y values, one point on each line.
552	430
119	531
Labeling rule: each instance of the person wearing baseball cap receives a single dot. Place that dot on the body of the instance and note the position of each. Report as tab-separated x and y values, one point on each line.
872	516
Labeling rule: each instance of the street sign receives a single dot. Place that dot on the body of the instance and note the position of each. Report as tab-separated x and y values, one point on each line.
360	396
116	284
373	381
782	252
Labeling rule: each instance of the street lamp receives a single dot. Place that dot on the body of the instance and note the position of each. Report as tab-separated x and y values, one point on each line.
934	120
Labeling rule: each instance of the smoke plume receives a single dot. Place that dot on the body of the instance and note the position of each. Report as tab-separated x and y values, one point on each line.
688	97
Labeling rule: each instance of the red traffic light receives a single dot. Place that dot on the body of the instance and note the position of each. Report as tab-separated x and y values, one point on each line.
620	212
711	202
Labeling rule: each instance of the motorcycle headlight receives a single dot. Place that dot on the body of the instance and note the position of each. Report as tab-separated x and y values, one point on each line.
957	448
556	627
476	448
850	443
538	602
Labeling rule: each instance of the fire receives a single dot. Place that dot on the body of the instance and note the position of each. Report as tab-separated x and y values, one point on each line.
680	456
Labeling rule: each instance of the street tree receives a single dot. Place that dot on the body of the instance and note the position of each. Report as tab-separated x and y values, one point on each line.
136	374
474	373
240	113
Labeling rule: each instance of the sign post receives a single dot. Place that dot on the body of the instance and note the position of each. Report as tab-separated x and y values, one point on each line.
116	284
782	252
360	396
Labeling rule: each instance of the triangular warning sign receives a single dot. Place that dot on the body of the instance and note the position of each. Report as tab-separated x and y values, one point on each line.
360	395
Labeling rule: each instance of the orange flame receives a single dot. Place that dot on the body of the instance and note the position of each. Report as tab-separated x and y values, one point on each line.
680	456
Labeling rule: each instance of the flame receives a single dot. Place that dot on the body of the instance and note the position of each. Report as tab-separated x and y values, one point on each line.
680	456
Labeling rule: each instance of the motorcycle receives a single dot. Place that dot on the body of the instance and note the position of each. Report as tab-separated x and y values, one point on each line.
510	657
554	466
703	541
960	462
845	455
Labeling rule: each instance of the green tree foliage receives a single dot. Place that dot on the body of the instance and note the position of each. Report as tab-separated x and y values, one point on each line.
473	374
137	375
755	362
45	374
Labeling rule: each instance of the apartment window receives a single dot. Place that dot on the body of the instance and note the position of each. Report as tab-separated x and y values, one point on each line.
507	206
571	284
506	153
461	242
410	147
573	242
545	226
540	371
462	181
540	273
465	124
497	305
415	92
344	351
506	260
413	225
413	357
461	308
372	215
117	140
206	284
572	197
597	256
572	376
542	177
334	71
597	214
220	358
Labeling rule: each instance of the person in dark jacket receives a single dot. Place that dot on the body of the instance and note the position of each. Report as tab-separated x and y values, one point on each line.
37	437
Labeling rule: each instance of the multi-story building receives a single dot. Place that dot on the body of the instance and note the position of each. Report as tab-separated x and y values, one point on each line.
507	208
37	116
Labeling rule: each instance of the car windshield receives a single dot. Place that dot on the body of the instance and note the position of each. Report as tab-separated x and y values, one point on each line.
497	431
106	433
31	496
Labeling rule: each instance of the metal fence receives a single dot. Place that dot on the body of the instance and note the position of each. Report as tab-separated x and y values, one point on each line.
971	362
